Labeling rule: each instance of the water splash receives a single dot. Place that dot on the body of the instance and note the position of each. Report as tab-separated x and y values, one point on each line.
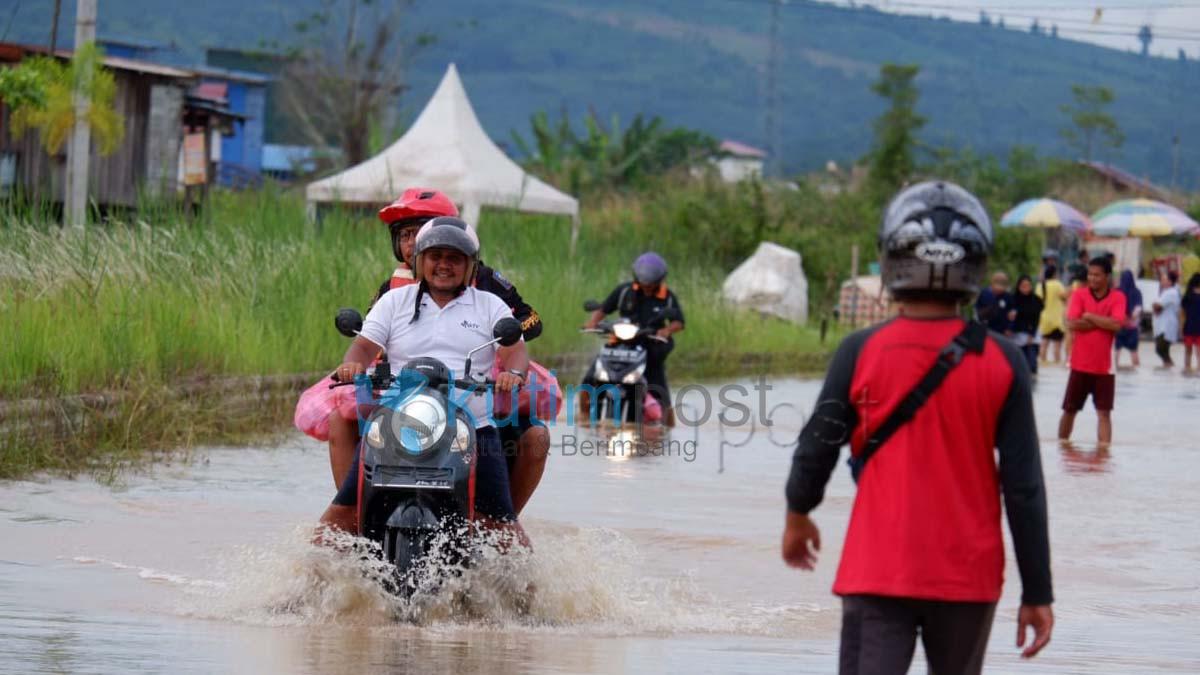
590	580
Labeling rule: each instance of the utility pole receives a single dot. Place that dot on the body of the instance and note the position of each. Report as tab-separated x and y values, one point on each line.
773	149
54	28
75	199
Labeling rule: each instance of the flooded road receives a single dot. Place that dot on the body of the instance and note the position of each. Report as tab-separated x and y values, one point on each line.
664	563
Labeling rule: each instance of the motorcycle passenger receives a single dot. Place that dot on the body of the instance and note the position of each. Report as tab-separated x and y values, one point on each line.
444	317
527	443
646	301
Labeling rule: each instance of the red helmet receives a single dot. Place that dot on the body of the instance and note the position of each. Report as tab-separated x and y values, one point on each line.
418	203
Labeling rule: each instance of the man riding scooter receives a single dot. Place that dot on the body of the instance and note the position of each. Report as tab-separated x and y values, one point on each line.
647	302
527	443
444	317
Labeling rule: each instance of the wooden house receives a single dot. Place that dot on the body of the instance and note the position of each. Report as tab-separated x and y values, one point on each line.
154	101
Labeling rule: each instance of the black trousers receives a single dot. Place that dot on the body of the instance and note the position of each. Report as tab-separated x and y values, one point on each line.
656	370
879	635
1162	347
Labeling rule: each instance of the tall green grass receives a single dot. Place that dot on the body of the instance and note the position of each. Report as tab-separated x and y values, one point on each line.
251	287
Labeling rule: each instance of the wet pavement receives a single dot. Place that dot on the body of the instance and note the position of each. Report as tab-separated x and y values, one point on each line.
642	563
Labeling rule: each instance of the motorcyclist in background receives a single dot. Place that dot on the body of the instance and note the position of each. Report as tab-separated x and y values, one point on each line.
527	443
645	301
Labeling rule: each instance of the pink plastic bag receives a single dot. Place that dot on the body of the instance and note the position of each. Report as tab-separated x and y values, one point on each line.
317	402
549	395
651	409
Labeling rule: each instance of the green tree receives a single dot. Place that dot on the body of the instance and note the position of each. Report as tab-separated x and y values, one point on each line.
605	157
39	92
891	157
1090	121
346	71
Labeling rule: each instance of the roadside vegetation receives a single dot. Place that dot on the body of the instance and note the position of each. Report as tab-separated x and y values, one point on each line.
115	327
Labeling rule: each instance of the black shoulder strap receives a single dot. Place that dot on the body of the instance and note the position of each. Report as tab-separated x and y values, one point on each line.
971	339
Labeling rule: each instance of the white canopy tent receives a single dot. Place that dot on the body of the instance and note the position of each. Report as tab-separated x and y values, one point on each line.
446	149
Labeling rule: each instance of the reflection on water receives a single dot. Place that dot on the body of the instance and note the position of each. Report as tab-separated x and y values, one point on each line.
655	562
1081	460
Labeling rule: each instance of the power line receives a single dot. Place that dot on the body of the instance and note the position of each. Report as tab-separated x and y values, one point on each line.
1048	7
830	7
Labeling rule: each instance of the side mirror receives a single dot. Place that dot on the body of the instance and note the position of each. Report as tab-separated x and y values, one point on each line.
591	306
507	331
348	321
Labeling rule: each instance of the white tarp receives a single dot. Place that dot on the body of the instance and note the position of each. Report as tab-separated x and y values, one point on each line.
771	281
445	149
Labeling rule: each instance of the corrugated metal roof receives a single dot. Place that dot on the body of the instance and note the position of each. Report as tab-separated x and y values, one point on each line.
245	76
12	50
741	149
1125	179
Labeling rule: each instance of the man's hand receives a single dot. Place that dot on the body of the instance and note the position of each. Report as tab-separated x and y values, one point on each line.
664	332
348	370
1041	619
799	532
506	382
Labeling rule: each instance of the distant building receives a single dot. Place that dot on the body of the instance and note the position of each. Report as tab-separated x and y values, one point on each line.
174	129
286	163
245	94
739	162
131	48
150	97
1121	182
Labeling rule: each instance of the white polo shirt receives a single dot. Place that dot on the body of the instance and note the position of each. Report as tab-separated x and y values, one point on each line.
444	333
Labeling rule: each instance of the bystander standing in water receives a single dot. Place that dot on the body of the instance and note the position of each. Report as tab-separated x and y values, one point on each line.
924	552
1026	315
1166	318
1095	315
994	304
1127	337
1191	322
1052	324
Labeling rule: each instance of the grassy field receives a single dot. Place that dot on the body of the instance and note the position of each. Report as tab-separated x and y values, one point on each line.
141	304
251	289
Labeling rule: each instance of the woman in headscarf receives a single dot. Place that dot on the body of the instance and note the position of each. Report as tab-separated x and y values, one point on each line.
1025	315
1127	337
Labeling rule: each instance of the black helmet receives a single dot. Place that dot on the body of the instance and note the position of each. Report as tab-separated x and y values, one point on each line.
935	236
447	232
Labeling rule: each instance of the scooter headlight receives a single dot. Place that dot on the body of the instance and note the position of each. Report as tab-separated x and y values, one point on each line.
625	331
462	436
419	424
634	375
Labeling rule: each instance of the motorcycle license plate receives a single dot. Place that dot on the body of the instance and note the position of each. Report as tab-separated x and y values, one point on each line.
621	354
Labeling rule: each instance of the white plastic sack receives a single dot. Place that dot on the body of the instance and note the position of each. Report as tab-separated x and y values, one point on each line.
771	281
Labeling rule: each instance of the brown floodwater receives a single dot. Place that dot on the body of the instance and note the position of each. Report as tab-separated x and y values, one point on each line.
642	563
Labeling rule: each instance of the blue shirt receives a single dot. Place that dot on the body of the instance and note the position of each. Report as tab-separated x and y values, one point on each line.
993	309
1191	312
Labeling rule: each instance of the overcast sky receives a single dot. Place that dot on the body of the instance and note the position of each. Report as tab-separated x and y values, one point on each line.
1176	23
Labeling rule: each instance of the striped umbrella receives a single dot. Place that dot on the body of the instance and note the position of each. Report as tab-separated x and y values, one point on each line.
1142	218
1047	213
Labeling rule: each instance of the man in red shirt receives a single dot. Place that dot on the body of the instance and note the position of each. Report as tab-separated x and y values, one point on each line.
1095	314
923	552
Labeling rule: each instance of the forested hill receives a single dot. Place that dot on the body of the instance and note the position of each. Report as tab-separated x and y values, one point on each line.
701	63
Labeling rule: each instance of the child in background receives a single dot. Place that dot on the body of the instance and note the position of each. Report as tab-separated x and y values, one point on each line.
1127	337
